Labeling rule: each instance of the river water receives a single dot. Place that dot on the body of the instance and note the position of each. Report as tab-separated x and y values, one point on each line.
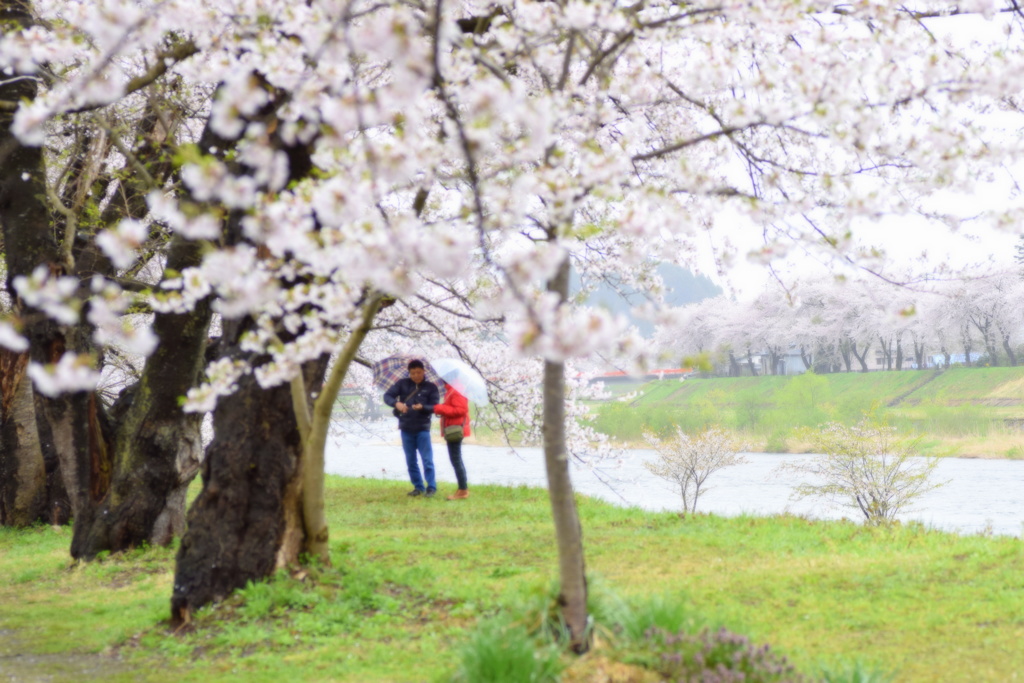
980	496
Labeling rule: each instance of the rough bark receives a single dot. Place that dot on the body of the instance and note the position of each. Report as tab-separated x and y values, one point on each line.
568	532
29	241
156	447
247	520
22	471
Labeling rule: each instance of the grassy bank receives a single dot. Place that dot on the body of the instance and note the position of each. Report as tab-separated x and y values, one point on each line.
414	579
971	412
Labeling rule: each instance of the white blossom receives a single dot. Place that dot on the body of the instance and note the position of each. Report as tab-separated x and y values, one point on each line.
73	372
10	339
122	242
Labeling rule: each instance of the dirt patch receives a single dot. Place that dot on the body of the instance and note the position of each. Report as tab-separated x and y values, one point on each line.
18	664
597	669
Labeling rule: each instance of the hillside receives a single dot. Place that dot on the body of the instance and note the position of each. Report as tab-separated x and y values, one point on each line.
971	412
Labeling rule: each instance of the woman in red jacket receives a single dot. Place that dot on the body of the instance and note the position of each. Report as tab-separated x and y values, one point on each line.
455	411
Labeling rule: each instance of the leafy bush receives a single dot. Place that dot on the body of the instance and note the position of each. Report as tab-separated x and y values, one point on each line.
867	467
715	657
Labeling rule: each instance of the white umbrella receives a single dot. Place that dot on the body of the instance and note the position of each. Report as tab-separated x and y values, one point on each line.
463	377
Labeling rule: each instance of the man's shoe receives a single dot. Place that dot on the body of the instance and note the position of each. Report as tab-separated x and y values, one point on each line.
461	494
415	492
431	492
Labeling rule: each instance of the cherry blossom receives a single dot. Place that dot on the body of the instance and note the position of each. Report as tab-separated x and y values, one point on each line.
10	339
614	136
73	372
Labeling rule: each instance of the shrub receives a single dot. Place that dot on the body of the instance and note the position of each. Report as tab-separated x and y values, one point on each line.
502	653
688	461
867	467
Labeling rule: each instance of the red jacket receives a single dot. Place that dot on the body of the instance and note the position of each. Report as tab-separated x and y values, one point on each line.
454	410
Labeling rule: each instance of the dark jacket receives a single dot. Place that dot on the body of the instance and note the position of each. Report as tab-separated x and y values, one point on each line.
406	391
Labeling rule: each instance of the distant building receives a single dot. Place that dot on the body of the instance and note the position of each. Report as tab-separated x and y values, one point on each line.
938	360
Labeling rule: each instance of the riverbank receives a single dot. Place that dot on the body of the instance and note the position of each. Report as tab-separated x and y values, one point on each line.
960	412
412	580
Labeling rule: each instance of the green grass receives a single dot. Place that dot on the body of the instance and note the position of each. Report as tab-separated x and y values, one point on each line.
962	411
414	583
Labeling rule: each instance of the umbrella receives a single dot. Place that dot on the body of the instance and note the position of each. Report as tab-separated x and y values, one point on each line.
389	370
463	377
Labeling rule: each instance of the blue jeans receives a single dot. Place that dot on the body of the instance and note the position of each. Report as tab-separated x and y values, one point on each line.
455	455
411	442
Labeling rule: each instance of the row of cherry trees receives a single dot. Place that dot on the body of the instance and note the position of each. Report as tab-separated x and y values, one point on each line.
845	327
234	202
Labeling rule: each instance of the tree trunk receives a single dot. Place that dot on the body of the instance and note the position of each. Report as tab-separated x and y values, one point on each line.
1010	355
861	357
987	339
25	497
968	347
734	366
156	448
886	348
844	351
246	522
315	435
750	364
899	353
572	597
807	360
70	445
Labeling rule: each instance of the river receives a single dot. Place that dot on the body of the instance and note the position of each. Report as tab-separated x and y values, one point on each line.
980	496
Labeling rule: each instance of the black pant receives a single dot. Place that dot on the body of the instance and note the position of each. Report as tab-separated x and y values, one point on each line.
455	455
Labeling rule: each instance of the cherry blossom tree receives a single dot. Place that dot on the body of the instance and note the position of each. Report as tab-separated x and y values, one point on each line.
991	307
867	467
329	156
688	460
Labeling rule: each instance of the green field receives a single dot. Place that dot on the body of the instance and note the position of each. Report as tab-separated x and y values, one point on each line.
974	412
413	581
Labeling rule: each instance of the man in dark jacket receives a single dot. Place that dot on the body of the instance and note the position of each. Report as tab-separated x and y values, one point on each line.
414	398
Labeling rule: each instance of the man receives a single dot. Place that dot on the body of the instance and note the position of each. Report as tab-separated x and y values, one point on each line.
414	398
